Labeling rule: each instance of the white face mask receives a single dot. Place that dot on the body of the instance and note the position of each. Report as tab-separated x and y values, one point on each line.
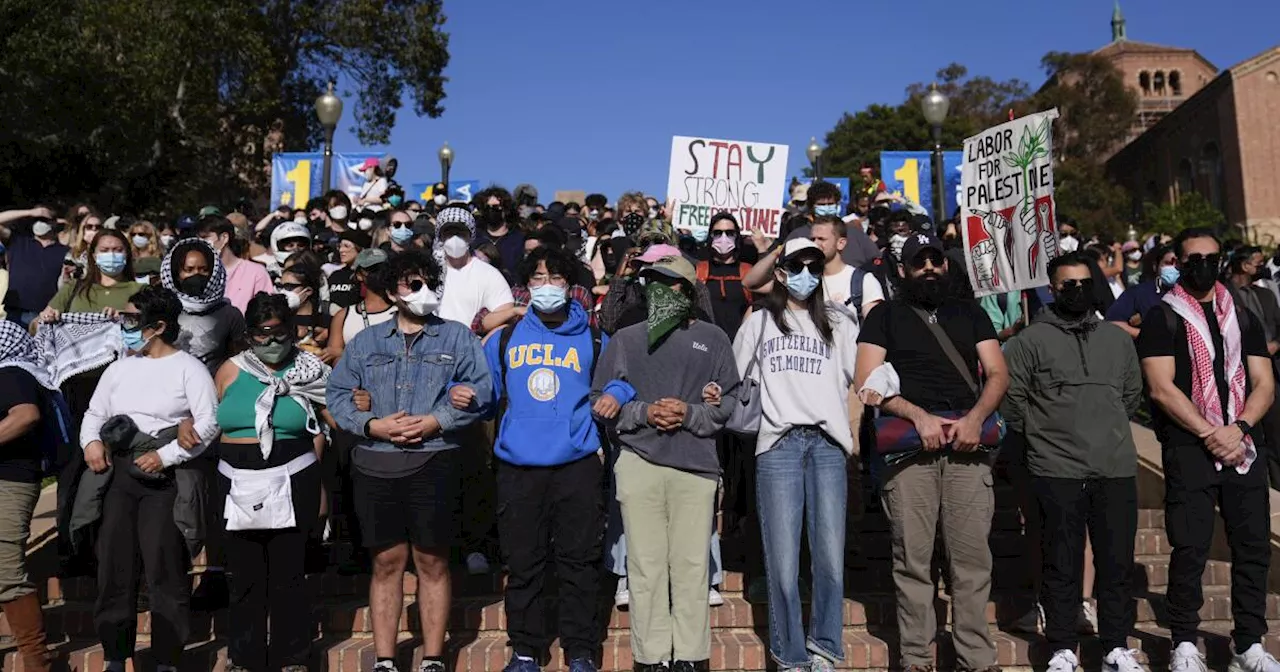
896	241
281	256
338	212
300	219
456	247
293	299
41	228
141	241
166	240
364	224
1069	244
422	302
88	236
1135	256
440	200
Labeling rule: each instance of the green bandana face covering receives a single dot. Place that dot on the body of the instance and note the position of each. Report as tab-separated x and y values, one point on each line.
668	308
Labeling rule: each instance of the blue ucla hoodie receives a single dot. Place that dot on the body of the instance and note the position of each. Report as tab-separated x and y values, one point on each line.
548	386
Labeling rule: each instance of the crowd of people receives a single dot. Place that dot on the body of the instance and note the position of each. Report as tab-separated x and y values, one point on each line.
582	391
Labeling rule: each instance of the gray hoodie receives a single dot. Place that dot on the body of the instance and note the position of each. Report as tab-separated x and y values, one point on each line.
1073	386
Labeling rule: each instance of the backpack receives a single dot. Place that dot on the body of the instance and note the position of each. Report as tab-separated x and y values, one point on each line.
704	272
854	302
504	339
55	429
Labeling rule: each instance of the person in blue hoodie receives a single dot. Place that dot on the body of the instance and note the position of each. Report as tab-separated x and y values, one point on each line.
550	470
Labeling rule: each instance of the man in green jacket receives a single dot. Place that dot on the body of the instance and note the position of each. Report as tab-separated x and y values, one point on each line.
1074	382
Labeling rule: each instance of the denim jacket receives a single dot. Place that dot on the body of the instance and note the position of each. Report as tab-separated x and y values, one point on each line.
415	381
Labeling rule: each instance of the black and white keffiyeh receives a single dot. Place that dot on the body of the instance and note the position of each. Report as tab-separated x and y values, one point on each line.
453	214
76	343
18	349
214	291
304	383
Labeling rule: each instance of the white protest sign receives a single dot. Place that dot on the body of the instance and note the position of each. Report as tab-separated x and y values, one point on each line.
745	179
1007	207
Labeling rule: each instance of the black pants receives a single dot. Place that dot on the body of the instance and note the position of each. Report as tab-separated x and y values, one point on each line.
266	573
74	553
552	513
1108	508
139	536
1244	501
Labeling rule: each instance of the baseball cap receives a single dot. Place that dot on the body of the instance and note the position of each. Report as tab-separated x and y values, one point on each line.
210	210
370	258
369	163
797	246
186	222
673	267
356	237
657	252
918	242
800	192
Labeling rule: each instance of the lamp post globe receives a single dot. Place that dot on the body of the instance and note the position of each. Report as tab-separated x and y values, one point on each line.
328	111
814	152
935	105
446	162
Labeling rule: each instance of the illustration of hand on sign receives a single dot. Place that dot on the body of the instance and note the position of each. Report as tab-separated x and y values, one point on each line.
1048	237
1032	147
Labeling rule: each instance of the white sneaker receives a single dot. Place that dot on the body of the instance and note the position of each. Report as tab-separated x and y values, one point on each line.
1256	659
622	598
1087	621
1063	660
477	564
1121	660
714	598
1186	658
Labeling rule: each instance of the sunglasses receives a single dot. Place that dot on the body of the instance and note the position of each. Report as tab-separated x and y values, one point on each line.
92	227
796	266
723	233
140	233
401	225
278	333
1206	259
130	321
1086	283
288	286
930	257
414	285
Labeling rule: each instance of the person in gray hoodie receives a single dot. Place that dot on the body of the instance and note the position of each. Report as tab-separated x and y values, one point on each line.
1074	382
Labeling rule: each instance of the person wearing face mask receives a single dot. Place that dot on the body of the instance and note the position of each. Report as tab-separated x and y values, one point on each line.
211	327
824	200
1132	253
400	231
1074	382
375	184
594	206
469	285
408	463
831	235
1159	275
81	242
311	316
107	283
271	397
936	344
548	483
34	259
344	291
1210	382
338	210
143	397
497	219
287	239
1068	237
723	274
802	355
244	278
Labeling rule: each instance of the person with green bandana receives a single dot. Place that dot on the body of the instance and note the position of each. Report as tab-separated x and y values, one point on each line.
667	472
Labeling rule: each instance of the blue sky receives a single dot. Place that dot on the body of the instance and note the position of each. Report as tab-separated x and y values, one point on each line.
586	94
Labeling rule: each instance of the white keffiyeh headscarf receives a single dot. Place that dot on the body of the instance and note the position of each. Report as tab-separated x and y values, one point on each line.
18	349
304	383
213	295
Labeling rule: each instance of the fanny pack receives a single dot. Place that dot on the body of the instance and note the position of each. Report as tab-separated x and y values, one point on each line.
897	438
262	499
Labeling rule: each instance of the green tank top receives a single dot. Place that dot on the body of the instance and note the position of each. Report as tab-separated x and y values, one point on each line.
236	414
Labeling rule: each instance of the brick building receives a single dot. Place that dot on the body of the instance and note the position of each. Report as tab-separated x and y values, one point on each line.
1198	129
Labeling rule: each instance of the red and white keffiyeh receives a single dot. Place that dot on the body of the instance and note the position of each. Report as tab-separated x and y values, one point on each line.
1204	387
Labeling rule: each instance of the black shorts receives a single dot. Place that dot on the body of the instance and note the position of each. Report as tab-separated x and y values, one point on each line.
423	509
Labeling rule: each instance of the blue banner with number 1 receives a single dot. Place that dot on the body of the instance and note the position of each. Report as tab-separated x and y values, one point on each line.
296	177
911	174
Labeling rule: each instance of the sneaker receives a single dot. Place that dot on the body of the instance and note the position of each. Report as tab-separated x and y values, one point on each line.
1064	660
384	666
622	597
232	667
714	598
819	663
1087	621
1186	658
1121	660
519	664
1256	659
477	564
582	665
437	666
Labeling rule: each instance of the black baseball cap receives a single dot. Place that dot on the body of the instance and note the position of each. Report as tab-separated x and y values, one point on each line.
917	243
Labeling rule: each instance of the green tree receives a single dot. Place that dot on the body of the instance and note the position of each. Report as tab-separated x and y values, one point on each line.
1084	195
1191	210
155	104
1095	108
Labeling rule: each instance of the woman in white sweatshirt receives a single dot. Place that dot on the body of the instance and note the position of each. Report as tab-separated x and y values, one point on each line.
131	430
801	352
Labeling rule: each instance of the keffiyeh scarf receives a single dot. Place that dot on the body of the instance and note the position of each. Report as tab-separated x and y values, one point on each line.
452	214
304	383
76	343
1204	387
18	349
213	295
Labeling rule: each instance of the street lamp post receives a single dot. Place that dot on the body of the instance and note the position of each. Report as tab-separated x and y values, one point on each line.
814	152
446	161
329	111
935	104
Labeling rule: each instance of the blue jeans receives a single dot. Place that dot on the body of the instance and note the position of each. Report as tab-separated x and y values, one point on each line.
803	473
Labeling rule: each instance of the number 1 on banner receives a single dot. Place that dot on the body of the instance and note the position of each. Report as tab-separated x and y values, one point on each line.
300	176
909	176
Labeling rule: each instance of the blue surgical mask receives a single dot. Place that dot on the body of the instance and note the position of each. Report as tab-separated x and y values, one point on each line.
548	298
1169	275
802	284
402	235
395	201
832	210
110	263
133	340
701	233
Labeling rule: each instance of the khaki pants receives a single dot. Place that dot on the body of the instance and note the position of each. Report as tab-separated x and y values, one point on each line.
667	514
959	490
17	501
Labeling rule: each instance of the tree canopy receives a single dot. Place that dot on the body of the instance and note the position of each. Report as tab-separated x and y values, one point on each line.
143	104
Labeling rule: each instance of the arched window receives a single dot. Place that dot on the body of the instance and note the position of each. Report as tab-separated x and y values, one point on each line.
1158	83
1175	83
1144	82
1186	178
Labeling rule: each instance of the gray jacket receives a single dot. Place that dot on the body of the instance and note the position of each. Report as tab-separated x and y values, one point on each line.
1073	386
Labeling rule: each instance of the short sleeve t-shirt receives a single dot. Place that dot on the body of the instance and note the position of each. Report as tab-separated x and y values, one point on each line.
19	458
470	288
98	297
929	379
343	289
836	287
33	273
728	298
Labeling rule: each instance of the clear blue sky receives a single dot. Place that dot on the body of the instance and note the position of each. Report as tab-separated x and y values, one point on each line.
586	94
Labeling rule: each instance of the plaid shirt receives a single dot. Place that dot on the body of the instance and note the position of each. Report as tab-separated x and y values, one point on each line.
521	295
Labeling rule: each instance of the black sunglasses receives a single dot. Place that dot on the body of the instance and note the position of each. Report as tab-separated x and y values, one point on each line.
401	225
279	333
730	233
796	266
131	321
413	285
931	257
1208	259
1086	283
288	286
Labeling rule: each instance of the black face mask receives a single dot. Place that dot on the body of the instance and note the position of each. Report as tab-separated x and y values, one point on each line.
1199	275
1073	302
194	285
631	223
492	219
